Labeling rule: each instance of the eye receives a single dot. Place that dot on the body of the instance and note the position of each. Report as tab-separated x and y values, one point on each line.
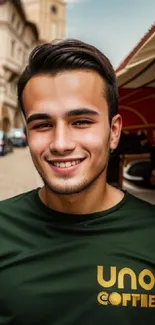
45	125
82	123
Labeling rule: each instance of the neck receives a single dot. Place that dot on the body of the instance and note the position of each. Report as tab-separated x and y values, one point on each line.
97	197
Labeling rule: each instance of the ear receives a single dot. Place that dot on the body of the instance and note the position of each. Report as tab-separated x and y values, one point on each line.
116	127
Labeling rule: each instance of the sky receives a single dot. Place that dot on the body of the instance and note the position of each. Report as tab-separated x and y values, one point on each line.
113	26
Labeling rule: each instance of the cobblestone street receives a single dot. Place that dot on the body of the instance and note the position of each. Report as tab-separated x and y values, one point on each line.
17	175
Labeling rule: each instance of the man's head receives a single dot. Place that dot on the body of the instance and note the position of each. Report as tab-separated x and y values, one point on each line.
68	94
67	55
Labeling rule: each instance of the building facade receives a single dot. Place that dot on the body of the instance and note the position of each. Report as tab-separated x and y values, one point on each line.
17	38
23	25
49	17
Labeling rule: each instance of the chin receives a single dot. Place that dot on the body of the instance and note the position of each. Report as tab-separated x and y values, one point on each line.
71	186
66	189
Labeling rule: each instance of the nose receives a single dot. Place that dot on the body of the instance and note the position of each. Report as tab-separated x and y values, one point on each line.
62	140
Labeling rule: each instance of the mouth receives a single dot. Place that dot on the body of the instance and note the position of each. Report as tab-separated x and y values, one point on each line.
66	164
65	167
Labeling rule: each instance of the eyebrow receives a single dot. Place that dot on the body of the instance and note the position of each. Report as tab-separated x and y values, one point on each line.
81	111
74	112
38	116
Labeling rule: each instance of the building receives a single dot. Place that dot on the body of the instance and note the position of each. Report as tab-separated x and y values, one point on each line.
17	38
49	17
23	25
136	81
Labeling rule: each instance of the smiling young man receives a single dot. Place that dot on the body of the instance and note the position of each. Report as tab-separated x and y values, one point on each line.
76	251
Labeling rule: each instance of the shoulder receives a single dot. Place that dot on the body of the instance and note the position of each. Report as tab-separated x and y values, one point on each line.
16	211
135	201
138	206
16	202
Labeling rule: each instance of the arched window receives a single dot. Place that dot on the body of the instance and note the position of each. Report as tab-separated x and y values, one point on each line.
54	9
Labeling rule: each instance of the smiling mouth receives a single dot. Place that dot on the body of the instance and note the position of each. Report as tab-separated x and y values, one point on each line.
66	164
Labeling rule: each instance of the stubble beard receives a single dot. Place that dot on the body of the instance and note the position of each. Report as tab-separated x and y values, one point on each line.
75	189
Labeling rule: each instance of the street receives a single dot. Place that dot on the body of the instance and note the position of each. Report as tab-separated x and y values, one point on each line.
17	175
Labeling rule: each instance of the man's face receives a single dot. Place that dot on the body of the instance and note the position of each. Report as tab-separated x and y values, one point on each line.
69	135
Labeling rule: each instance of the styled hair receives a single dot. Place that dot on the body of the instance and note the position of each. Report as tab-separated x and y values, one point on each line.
70	54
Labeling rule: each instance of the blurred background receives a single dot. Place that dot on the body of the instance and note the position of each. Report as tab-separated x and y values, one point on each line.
124	31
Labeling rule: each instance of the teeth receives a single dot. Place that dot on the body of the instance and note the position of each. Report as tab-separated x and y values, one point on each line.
66	164
62	165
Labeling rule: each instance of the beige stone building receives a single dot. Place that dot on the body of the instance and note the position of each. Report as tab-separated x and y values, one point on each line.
23	24
17	37
49	17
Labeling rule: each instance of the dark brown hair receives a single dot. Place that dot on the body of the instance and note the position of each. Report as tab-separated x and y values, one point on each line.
70	54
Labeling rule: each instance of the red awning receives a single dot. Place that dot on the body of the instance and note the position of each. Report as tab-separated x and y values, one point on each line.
136	81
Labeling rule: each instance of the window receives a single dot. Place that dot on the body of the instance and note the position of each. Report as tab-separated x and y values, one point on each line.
12	47
19	53
18	25
54	9
13	17
13	87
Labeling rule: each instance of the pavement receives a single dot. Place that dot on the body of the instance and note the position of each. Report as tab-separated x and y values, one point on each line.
17	175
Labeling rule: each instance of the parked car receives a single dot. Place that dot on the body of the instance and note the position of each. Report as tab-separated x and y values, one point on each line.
6	145
18	137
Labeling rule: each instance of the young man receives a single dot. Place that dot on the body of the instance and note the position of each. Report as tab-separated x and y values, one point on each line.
76	251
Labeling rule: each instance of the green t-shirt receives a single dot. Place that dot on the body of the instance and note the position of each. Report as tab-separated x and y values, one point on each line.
62	269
